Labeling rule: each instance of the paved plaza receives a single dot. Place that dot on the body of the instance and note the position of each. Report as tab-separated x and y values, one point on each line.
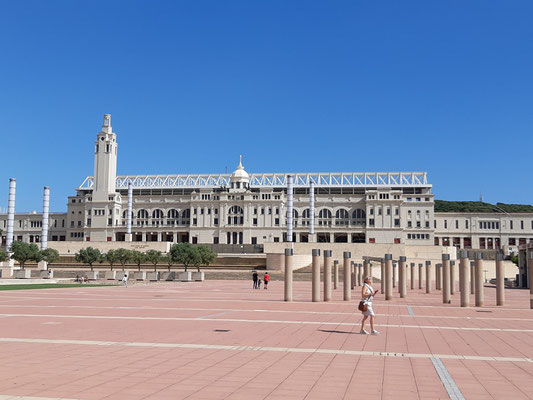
224	340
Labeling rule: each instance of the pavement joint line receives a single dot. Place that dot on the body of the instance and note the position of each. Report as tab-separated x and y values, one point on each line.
447	380
264	321
410	310
261	348
15	397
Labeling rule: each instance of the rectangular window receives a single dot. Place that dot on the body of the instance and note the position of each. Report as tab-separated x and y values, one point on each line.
255	221
371	222
194	221
466	224
427	224
445	224
276	221
388	210
521	224
456	224
409	224
397	222
379	210
511	224
215	221
215	240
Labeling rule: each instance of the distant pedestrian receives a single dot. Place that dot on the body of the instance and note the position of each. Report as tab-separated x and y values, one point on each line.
259	284
367	295
254	277
267	279
125	280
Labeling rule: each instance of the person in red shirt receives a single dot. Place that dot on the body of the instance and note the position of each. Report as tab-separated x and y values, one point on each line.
266	279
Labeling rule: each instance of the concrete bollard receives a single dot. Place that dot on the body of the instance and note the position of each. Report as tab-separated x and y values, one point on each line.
352	275
360	274
438	276
446	278
346	284
452	277
420	275
412	276
428	276
382	285
394	268
500	281
388	276
402	275
315	275
327	275
478	266
464	276
472	277
335	274
288	275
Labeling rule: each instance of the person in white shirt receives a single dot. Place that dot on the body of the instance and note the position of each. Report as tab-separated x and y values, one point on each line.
125	280
367	295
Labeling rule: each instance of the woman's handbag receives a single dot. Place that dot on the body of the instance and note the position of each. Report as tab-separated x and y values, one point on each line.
363	306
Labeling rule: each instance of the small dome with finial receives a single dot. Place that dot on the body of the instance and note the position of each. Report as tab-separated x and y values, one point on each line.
240	176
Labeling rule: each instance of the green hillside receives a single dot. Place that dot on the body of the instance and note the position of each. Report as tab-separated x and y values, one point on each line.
478	206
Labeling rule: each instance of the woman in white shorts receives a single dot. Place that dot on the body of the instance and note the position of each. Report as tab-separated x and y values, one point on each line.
367	295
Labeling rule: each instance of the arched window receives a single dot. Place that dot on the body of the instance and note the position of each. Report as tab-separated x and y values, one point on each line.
359	216
186	217
235	215
342	217
142	217
324	217
172	217
157	217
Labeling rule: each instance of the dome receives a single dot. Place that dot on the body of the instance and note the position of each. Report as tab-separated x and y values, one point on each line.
240	175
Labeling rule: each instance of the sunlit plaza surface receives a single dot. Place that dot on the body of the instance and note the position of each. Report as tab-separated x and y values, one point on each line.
225	340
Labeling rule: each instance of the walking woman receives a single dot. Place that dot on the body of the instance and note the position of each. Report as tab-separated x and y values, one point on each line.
367	295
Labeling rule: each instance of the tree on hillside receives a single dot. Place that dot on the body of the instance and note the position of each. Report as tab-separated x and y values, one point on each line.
111	257
50	256
206	256
123	256
153	256
138	257
183	253
24	252
88	256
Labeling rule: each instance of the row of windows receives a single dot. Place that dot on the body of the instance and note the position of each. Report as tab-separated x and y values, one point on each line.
423	236
483	224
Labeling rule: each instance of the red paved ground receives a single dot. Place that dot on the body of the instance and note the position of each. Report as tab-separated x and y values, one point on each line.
138	343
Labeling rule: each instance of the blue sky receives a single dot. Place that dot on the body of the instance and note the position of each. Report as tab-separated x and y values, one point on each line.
438	86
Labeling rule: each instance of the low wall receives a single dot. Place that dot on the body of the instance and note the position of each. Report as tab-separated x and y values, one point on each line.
66	248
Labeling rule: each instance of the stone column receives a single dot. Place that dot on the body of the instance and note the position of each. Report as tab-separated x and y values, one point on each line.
335	274
10	213
394	268
371	273
129	236
472	277
346	284
388	276
288	275
452	277
402	275
446	278
366	268
464	275
46	210
327	275
500	281
289	208
359	275
420	275
478	263
529	256
315	272
413	276
428	276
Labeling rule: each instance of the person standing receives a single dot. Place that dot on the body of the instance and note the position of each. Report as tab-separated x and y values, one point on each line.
266	279
367	295
125	279
254	277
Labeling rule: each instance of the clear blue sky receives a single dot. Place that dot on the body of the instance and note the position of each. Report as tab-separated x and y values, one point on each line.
439	86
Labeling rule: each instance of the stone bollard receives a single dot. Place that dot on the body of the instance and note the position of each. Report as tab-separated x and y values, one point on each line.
428	276
500	281
315	275
452	277
413	276
335	274
472	277
388	276
288	275
402	275
464	276
346	284
438	276
478	266
445	278
420	275
327	275
394	268
382	279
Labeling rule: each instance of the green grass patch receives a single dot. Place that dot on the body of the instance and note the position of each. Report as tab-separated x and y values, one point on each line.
48	286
